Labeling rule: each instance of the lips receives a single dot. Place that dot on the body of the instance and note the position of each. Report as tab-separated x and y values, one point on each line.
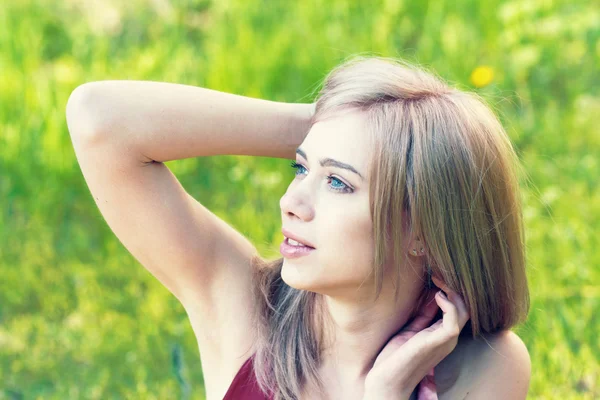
297	238
289	251
295	243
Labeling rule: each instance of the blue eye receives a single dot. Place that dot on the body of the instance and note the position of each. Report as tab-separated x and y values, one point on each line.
296	166
343	188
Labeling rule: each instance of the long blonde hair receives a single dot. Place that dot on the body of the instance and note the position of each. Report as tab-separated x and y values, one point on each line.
440	155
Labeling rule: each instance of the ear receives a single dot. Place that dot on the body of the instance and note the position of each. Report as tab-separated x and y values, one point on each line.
439	283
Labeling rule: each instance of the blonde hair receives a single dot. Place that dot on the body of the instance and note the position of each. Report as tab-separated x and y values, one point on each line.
440	155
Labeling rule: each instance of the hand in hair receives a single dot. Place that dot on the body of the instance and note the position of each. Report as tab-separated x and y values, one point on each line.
409	357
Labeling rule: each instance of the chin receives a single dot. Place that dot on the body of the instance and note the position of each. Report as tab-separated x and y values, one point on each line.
291	274
299	277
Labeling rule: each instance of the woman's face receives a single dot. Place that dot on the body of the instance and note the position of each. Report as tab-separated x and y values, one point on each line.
328	206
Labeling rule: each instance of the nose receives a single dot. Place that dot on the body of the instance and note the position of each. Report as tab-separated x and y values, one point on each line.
294	204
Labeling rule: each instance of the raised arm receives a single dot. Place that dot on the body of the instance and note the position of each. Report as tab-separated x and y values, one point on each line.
122	132
167	121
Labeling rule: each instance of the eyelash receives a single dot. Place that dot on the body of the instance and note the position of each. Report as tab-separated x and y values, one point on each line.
345	189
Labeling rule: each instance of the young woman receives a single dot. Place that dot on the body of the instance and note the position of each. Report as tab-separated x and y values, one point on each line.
403	185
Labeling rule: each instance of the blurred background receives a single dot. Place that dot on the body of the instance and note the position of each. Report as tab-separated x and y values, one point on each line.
81	319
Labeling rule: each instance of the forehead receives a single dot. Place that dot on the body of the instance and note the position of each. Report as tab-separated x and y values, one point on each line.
343	138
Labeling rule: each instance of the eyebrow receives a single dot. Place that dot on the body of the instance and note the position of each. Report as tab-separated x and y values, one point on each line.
330	162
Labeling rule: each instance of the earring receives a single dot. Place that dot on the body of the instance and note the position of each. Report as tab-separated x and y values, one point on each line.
414	251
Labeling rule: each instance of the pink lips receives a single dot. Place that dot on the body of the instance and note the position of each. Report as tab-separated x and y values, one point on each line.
289	251
293	236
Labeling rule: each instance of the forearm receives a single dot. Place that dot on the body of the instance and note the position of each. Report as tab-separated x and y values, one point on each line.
166	121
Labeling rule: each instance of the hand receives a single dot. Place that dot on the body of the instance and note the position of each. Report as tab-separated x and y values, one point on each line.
412	354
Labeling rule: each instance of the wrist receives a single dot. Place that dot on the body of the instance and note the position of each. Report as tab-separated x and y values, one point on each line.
299	122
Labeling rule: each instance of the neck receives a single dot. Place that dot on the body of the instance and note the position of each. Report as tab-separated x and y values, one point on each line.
356	330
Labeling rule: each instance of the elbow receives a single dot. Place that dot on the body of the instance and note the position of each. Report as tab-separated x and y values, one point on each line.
83	119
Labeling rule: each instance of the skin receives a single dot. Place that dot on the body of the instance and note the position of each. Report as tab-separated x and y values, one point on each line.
339	226
419	347
366	338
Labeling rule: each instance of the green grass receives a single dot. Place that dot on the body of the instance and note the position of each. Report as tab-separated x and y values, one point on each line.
80	318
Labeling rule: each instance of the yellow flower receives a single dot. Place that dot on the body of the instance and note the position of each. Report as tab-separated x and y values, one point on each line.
482	76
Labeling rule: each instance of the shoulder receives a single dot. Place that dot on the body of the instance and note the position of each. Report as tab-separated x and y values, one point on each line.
499	366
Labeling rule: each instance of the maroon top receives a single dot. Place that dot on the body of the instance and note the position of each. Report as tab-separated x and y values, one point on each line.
244	385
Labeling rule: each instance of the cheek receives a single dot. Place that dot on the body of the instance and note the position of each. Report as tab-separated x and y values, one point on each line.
357	233
350	238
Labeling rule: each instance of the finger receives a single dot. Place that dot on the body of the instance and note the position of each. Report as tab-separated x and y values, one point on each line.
462	310
450	318
427	389
456	299
435	325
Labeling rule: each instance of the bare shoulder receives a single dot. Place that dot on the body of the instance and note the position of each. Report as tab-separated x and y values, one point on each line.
502	347
495	366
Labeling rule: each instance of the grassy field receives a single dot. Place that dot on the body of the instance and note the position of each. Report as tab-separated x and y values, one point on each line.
81	319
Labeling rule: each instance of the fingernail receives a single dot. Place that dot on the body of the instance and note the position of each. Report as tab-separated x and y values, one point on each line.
442	295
